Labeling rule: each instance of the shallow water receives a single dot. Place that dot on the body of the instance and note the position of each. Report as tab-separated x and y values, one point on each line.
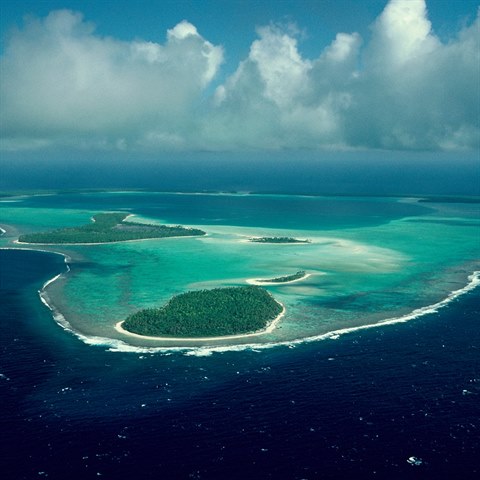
370	259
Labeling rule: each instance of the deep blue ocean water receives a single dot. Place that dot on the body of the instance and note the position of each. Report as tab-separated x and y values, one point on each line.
355	407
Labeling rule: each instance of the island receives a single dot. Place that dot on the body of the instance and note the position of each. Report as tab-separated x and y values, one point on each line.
219	312
108	228
277	240
295	277
285	279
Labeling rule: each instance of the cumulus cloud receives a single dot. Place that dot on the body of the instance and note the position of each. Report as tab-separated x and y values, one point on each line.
62	82
414	91
404	89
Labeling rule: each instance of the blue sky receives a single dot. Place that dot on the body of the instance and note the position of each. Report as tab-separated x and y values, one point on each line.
232	22
237	75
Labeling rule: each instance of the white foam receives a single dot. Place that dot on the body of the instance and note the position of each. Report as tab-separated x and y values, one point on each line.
46	284
116	345
203	351
64	255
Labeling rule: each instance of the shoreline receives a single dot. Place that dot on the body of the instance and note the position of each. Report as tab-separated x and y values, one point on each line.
258	282
17	242
118	345
206	350
473	283
42	293
268	329
247	240
64	255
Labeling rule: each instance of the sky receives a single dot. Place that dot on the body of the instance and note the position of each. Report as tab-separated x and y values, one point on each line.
156	78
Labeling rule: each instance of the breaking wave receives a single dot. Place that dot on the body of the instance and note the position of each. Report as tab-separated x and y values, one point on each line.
115	345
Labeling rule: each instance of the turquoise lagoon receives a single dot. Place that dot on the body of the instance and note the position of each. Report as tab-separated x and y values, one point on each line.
370	259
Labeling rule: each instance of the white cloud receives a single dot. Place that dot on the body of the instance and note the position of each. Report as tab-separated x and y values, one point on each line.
414	91
61	81
183	30
277	99
404	89
402	33
343	47
281	68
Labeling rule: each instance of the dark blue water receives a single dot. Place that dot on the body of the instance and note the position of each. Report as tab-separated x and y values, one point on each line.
307	171
356	407
274	211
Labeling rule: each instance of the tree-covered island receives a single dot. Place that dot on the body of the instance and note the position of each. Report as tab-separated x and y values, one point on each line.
286	278
277	240
208	313
106	228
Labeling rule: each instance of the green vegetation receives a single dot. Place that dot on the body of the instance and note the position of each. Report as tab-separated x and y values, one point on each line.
286	278
109	227
208	313
277	240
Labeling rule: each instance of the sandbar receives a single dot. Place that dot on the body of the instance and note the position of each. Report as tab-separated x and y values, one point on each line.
248	240
257	281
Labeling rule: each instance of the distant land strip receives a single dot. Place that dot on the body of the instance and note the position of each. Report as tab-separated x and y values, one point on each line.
108	228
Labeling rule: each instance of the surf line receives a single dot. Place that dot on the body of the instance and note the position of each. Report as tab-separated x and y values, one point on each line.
207	350
42	292
66	259
117	345
474	281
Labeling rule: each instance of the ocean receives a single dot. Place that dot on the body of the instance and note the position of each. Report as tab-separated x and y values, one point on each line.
395	401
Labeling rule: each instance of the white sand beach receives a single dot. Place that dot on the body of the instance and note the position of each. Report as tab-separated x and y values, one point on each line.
270	327
261	283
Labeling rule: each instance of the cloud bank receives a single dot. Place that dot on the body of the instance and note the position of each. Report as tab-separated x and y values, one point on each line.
62	84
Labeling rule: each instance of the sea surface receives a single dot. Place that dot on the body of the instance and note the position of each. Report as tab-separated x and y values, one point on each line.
328	395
